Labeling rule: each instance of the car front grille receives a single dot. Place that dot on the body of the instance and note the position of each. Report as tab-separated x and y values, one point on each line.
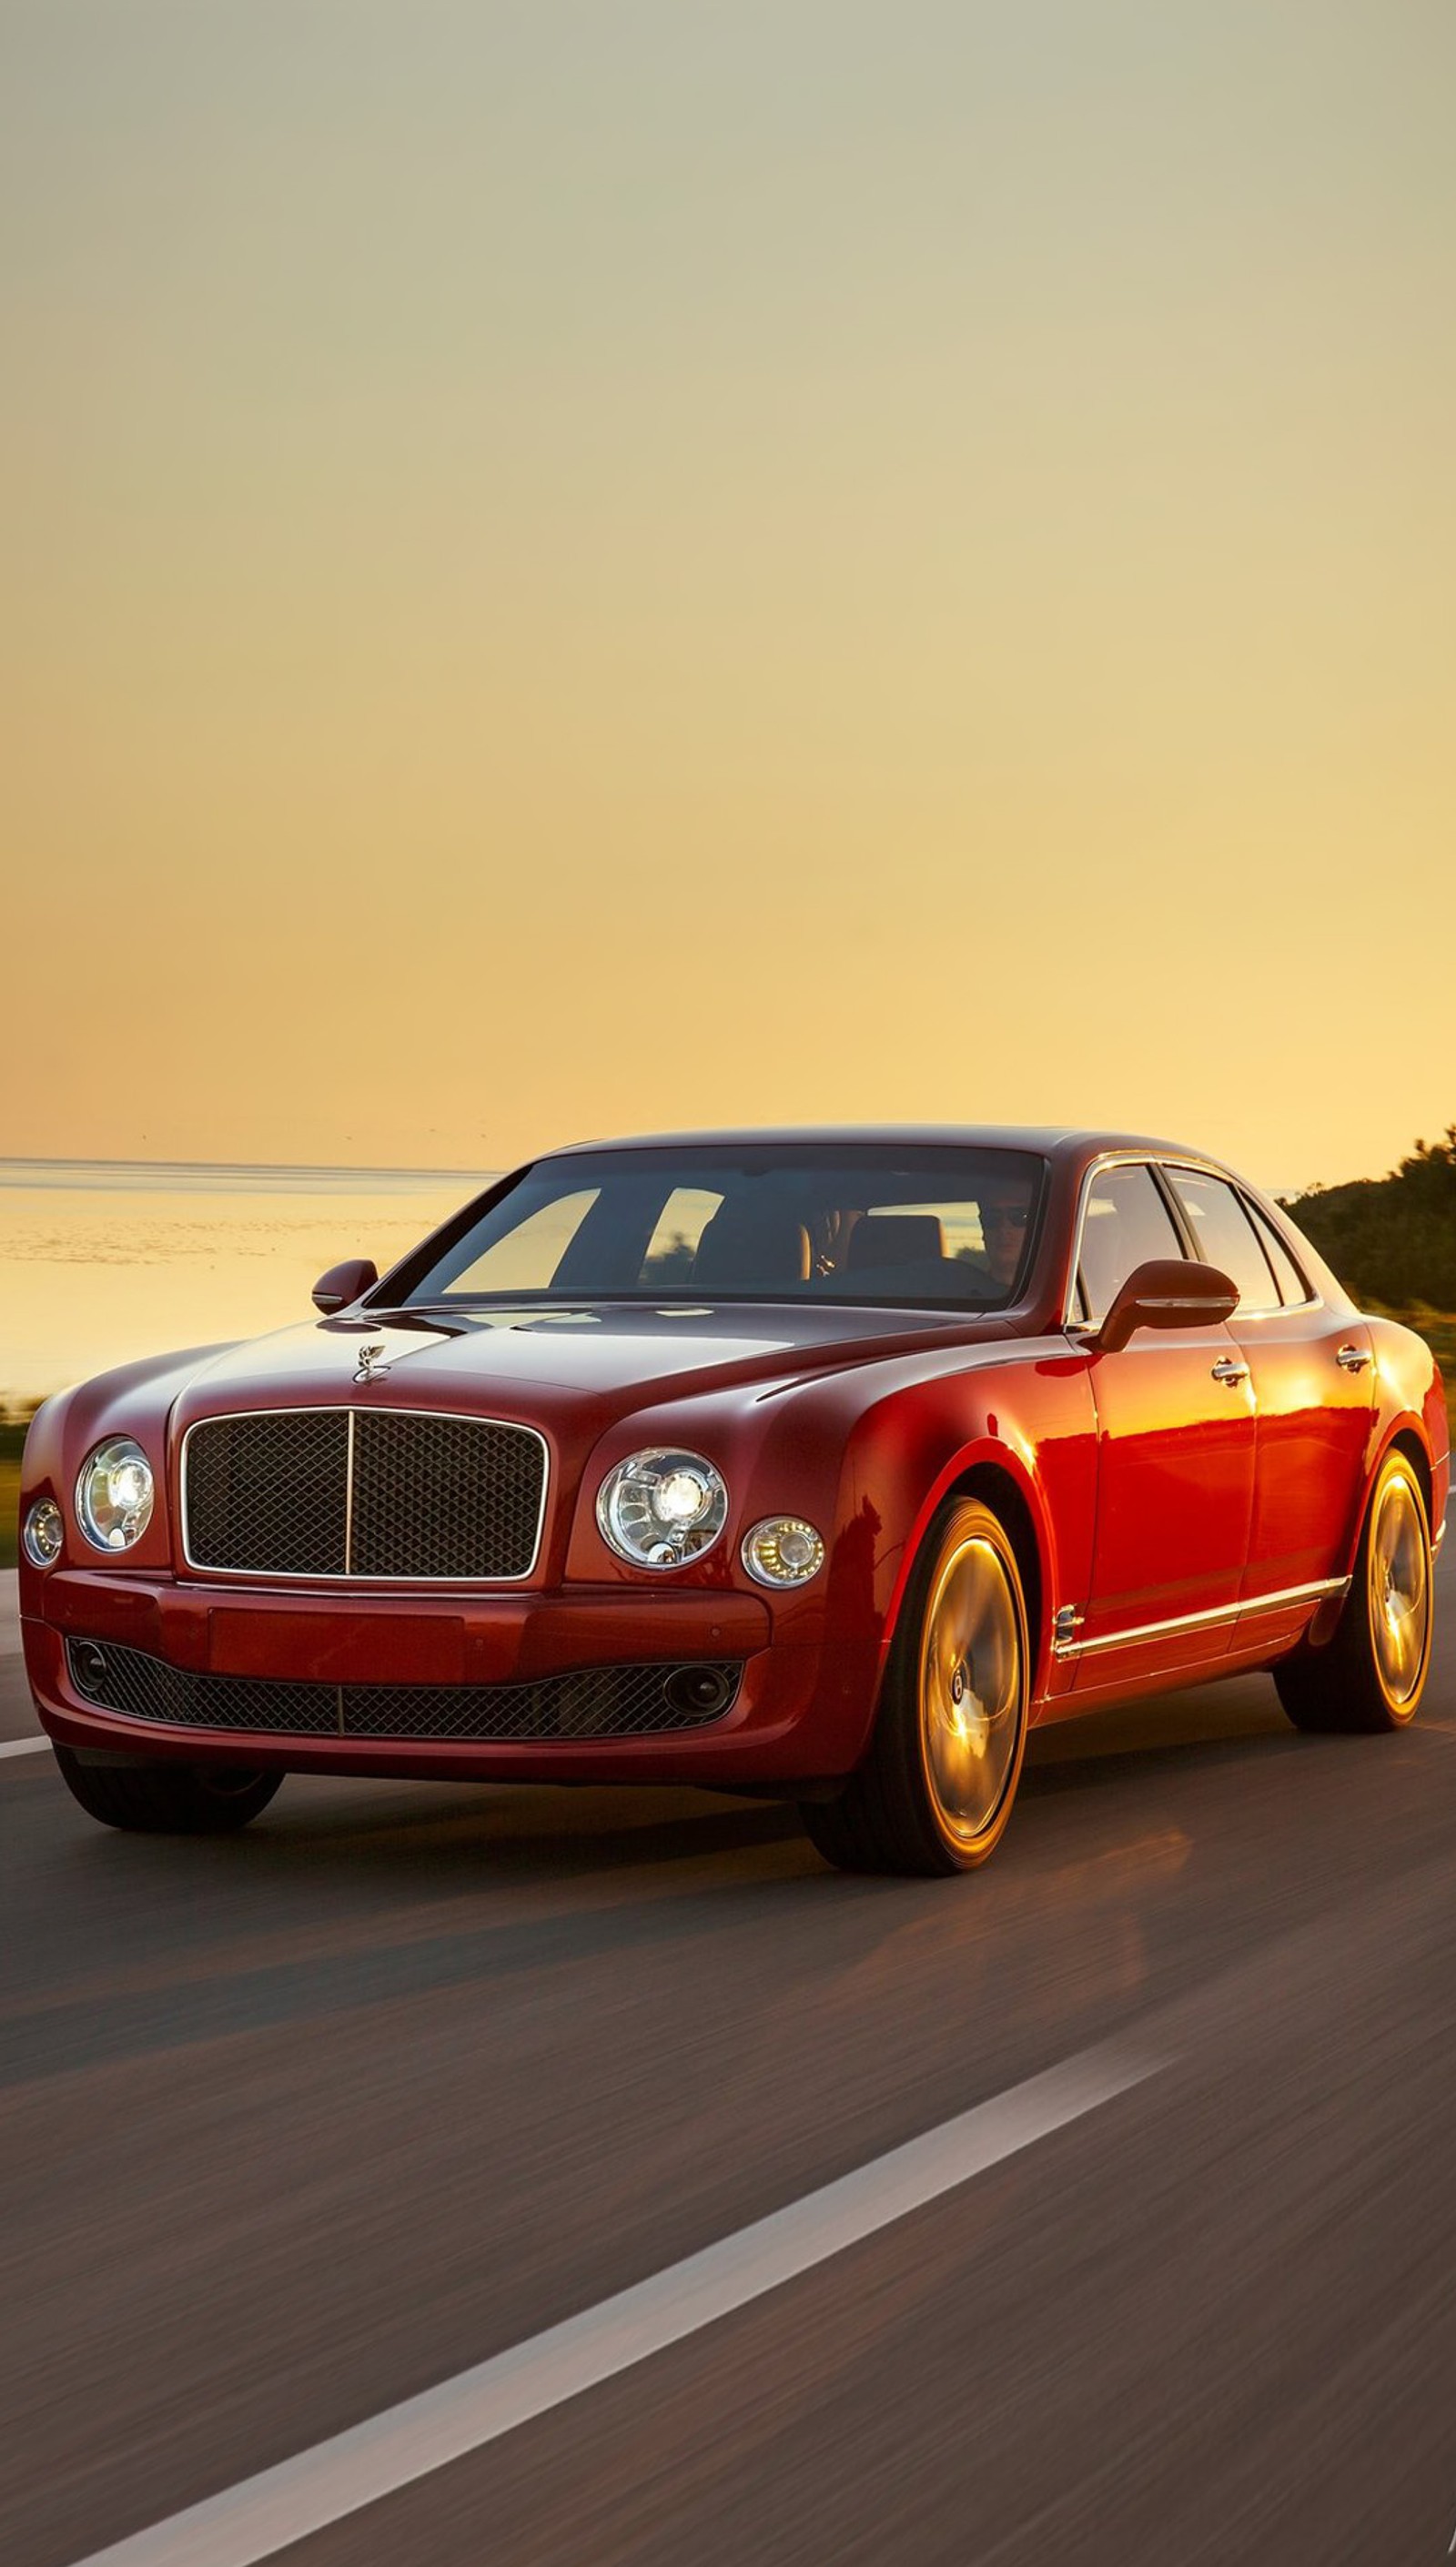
358	1492
593	1702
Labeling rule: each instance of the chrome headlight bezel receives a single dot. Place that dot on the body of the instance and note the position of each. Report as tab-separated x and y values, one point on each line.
33	1541
114	1517
763	1540
640	1506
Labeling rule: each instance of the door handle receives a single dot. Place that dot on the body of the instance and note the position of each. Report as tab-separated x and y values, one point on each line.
1352	1358
1226	1370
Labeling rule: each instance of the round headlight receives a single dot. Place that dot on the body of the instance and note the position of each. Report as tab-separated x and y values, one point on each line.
661	1508
44	1532
783	1550
114	1495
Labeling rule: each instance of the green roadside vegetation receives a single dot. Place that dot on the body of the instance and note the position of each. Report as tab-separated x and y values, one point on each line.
1391	1239
12	1444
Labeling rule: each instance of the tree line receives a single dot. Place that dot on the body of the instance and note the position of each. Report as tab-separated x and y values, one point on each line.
1390	1239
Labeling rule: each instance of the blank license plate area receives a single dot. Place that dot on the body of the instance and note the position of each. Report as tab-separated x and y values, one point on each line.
338	1648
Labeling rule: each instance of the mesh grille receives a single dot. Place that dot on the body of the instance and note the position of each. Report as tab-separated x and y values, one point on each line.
270	1492
146	1688
432	1497
444	1497
595	1702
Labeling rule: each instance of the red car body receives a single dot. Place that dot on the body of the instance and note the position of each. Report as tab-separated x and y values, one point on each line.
1171	1522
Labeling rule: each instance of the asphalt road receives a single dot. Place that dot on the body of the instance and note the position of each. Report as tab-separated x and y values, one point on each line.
297	2125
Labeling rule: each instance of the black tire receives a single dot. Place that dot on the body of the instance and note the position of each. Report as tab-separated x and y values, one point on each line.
168	1800
896	1813
1371	1675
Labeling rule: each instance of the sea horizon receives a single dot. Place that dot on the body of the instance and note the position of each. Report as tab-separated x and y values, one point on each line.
102	1261
265	1176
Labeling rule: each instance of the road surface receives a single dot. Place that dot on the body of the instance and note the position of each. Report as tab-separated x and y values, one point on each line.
303	2124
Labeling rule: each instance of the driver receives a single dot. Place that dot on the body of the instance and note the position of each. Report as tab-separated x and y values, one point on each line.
1006	1207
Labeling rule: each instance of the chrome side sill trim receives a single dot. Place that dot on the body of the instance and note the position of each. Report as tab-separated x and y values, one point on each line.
1218	1617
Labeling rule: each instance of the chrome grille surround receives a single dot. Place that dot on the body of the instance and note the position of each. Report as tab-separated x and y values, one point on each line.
588	1703
384	1496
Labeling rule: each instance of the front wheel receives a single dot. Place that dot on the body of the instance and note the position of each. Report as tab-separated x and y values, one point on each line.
936	1790
168	1800
1373	1673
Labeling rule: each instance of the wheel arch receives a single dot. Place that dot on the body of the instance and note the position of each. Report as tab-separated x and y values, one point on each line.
1402	1435
1407	1440
992	1477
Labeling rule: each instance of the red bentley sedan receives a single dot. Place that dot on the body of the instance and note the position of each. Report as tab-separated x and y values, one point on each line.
818	1463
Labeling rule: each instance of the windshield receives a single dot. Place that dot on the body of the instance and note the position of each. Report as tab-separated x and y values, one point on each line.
931	1226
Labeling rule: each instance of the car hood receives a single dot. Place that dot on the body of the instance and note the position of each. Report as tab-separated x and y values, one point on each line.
509	1356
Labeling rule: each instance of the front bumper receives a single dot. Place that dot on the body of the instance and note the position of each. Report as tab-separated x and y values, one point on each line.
803	1710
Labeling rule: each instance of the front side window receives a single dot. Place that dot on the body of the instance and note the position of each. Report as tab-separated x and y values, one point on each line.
936	1227
1125	1223
1223	1237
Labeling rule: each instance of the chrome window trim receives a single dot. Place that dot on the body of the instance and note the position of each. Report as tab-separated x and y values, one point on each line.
1211	1619
294	1578
1095	1168
1165	1160
1245	1202
1281	1309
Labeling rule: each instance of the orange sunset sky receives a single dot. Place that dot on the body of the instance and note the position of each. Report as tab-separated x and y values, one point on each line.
589	568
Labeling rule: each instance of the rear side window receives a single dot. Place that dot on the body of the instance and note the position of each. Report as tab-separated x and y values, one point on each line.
1126	1221
1293	1289
1223	1236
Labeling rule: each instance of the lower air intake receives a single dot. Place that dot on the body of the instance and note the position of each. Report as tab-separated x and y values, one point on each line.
592	1702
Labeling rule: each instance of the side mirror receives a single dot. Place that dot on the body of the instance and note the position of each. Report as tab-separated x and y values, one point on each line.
1167	1292
344	1283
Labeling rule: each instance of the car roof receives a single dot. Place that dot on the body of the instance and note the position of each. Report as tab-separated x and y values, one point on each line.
1049	1140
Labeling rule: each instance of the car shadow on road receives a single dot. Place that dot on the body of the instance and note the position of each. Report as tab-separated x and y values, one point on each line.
537	1833
1210	1725
583	1823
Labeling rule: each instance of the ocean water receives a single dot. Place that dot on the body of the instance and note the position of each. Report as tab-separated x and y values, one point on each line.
101	1261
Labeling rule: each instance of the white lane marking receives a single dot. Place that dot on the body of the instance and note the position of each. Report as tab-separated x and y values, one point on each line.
22	1746
266	2513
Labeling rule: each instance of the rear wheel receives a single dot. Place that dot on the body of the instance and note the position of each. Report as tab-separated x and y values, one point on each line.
1371	1675
168	1800
935	1791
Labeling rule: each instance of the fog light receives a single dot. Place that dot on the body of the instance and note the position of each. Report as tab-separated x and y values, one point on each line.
699	1689
88	1666
783	1550
45	1530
